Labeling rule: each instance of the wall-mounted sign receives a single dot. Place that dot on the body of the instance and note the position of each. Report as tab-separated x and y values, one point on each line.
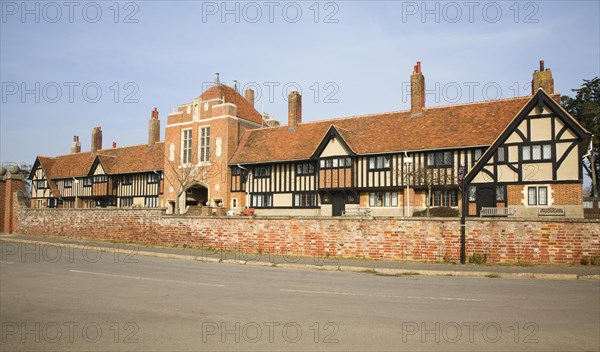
551	211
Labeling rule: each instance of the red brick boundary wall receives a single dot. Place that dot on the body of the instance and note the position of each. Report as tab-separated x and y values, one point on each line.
501	240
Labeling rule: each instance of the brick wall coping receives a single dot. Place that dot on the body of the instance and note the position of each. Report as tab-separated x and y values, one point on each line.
162	211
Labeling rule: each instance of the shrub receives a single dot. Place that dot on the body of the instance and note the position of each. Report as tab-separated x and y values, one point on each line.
477	258
584	261
442	212
595	260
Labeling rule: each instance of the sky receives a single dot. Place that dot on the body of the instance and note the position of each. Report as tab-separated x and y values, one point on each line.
67	67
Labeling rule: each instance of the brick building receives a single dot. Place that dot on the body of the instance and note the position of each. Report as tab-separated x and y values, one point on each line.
11	182
510	157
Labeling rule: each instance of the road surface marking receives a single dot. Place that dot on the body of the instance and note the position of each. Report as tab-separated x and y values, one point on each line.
144	278
383	296
320	292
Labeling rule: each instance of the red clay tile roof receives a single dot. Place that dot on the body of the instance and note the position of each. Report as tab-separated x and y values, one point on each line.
137	158
245	110
453	126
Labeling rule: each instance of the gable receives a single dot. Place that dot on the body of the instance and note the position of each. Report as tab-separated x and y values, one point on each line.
543	127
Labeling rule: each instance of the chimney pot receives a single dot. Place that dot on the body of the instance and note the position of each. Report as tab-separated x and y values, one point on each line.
76	146
114	144
542	79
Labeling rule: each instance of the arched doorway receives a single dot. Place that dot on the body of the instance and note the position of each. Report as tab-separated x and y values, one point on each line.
196	195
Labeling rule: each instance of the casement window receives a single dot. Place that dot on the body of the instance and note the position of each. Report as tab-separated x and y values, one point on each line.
472	193
334	163
237	171
68	183
262	171
153	178
262	200
126	201
536	152
186	150
87	182
383	199
477	153
444	198
127	179
305	200
502	154
379	162
40	184
537	195
588	204
306	168
100	179
151	202
500	194
204	144
438	159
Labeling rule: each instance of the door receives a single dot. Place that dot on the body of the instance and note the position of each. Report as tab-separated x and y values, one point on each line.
486	197
338	203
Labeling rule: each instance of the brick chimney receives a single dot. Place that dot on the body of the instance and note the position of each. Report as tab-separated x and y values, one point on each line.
294	110
542	79
114	145
153	128
417	91
96	139
249	95
76	146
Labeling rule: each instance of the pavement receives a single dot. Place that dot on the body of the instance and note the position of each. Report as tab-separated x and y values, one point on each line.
293	261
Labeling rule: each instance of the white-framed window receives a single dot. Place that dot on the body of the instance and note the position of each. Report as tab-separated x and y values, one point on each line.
305	200
472	193
151	202
588	204
444	198
306	168
262	171
127	179
383	199
234	202
204	144
262	200
537	195
87	182
153	178
100	178
186	146
440	159
536	152
331	163
126	201
379	162
502	154
68	183
477	153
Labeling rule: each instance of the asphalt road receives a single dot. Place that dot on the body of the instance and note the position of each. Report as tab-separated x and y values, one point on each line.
54	299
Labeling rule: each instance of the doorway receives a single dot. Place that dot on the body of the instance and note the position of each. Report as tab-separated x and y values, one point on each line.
196	195
486	197
338	203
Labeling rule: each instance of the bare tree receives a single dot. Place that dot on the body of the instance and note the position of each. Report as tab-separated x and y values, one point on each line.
429	178
183	176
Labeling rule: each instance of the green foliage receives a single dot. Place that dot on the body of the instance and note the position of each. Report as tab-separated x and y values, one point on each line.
584	261
585	107
595	260
477	258
442	212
